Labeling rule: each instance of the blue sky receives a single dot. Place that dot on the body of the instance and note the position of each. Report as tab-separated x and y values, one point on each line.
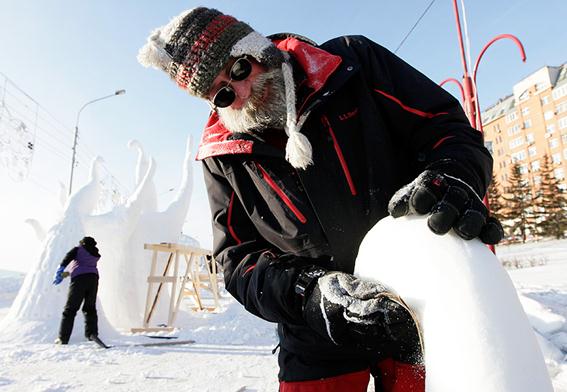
64	53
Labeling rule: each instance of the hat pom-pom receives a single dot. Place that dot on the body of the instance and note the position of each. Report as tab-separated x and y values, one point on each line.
298	151
153	54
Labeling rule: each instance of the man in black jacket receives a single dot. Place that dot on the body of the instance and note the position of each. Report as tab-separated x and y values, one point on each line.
306	148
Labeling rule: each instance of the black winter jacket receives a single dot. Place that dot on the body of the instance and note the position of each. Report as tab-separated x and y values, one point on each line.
374	123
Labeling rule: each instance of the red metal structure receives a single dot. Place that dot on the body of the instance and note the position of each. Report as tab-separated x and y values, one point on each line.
468	87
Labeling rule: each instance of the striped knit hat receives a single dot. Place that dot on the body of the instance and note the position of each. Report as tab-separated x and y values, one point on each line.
196	45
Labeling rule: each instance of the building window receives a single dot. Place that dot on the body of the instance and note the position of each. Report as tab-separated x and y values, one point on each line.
559	92
518	156
535	166
513	130
564	138
511	117
556	158
537	180
524	96
488	145
545	100
548	115
528	123
553	143
530	138
532	151
550	128
516	142
525	111
561	108
559	173
565	153
562	123
523	169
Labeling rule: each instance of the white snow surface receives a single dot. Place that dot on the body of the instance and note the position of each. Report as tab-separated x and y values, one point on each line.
233	348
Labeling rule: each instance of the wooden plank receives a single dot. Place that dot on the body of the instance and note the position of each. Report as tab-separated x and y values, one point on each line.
173	290
158	294
149	294
162	279
152	329
168	247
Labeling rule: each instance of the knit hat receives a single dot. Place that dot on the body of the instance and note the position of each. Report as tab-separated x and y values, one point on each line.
195	46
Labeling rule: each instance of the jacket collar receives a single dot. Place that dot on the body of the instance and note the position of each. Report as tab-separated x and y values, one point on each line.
317	64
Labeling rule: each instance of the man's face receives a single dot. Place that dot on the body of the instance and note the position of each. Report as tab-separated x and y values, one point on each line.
259	100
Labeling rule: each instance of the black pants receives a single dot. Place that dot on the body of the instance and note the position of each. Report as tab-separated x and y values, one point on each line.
82	288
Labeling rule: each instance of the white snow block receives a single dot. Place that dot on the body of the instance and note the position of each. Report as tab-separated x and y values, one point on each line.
476	334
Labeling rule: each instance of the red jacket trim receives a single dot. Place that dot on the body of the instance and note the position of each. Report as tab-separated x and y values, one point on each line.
279	191
229	220
340	155
317	64
409	109
441	141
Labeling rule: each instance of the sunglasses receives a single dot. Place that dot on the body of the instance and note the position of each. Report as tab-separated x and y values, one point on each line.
240	70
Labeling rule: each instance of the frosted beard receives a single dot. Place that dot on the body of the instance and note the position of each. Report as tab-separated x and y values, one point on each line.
265	108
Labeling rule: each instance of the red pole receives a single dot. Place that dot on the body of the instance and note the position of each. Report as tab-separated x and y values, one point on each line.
457	83
493	40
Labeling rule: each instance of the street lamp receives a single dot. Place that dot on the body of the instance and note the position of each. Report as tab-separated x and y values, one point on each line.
117	92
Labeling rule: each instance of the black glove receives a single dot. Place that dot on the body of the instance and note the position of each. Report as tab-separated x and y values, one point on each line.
451	203
349	310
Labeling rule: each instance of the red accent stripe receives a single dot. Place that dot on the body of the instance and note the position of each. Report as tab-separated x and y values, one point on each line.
281	194
229	220
249	269
209	35
441	141
409	109
340	155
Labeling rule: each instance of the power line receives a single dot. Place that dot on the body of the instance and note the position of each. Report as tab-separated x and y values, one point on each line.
414	26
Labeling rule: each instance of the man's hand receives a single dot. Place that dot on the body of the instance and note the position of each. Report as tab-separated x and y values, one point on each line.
350	310
451	203
59	275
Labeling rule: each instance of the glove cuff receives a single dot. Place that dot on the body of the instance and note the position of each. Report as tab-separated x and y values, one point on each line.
307	280
456	170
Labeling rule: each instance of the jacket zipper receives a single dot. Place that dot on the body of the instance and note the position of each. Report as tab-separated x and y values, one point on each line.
281	194
339	152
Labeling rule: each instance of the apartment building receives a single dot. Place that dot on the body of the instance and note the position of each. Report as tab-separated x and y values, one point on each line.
528	124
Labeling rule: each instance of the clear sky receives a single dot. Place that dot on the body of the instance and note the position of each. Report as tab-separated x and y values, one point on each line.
65	53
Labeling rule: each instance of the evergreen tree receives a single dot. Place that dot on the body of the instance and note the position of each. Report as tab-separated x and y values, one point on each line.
518	215
551	203
495	200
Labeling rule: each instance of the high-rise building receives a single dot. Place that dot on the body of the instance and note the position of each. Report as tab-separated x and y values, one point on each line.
528	124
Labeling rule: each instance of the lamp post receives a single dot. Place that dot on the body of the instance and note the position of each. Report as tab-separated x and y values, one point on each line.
117	92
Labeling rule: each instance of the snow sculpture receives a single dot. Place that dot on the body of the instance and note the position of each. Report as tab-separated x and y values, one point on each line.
476	334
120	233
36	311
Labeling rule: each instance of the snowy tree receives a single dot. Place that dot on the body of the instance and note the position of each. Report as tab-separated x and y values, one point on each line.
495	200
518	217
551	203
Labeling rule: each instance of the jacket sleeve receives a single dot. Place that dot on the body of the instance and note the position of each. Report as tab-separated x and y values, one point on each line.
255	273
424	117
70	256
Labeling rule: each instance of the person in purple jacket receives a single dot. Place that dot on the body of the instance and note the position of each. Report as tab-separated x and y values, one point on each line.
81	264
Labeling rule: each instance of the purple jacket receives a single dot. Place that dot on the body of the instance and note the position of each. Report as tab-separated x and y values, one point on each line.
80	261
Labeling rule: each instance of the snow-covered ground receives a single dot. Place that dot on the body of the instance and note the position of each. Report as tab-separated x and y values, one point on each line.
233	349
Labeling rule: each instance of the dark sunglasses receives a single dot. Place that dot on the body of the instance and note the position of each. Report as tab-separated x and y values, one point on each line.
240	70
